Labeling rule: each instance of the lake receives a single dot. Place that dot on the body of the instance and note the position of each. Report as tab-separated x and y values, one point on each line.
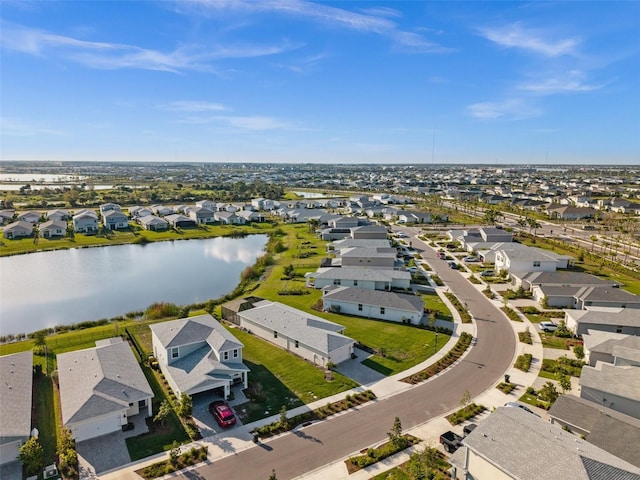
315	195
45	289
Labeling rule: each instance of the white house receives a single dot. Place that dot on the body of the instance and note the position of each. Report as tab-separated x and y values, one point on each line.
19	229
151	222
365	278
201	215
108	207
30	216
197	354
16	388
313	338
617	320
530	259
114	220
100	388
85	221
53	228
395	307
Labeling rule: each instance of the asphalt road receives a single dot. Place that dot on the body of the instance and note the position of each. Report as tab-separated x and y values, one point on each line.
296	453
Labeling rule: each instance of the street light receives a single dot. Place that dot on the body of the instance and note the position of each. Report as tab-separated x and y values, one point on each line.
435	344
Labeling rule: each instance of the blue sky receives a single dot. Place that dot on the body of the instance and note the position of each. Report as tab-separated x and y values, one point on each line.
330	82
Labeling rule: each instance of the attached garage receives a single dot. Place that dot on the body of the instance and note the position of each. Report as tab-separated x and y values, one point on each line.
96	427
9	452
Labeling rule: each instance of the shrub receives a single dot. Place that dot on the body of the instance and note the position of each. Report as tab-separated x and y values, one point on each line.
523	362
160	310
578	350
525	337
511	313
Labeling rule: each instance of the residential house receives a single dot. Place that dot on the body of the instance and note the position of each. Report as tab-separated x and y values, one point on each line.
85	221
567	212
395	307
208	204
109	207
491	234
201	215
100	388
53	228
19	229
612	431
6	216
312	338
366	278
197	354
139	212
345	243
615	348
180	221
250	216
369	232
58	215
228	218
513	444
31	217
606	297
529	259
263	204
616	387
617	320
529	280
370	257
16	389
114	220
153	223
162	210
412	216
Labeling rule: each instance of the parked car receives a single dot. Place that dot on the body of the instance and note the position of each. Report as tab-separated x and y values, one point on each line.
453	265
487	273
412	270
470	259
548	327
441	255
521	407
451	441
223	414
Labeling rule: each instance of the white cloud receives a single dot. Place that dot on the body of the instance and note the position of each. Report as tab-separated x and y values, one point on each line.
537	41
17	128
573	82
193	106
253	122
111	56
510	109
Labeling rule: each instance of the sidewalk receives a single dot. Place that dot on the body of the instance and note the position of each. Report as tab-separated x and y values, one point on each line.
240	438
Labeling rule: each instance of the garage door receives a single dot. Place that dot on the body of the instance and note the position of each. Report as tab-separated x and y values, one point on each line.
9	452
96	428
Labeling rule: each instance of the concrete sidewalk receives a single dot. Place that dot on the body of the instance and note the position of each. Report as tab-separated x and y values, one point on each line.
240	438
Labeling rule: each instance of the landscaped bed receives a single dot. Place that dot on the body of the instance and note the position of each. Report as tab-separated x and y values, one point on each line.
449	359
465	413
373	455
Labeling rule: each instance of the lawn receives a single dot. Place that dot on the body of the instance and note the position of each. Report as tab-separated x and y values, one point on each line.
45	417
433	302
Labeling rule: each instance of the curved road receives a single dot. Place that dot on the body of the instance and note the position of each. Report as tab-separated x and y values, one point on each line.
296	453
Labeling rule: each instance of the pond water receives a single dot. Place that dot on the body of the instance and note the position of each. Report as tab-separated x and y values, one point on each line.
315	195
45	289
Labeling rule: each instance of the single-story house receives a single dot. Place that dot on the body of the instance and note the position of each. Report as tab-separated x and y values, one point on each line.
6	216
31	217
567	212
180	221
606	297
53	228
109	207
370	257
197	354
616	348
338	245
412	216
612	386
395	307
528	280
263	204
161	210
100	388
530	259
85	221
228	218
151	222
19	229
615	432
618	320
208	204
513	444
114	220
492	234
201	215
366	278
16	389
313	338
58	215
139	212
370	232
251	216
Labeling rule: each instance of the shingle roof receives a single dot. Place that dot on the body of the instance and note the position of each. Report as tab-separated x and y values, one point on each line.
360	273
187	331
16	387
315	332
621	381
379	298
526	448
618	316
100	380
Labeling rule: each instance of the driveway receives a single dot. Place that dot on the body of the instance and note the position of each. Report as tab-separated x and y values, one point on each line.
355	370
205	421
101	454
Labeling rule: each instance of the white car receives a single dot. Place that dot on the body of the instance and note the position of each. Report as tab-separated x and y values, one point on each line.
548	327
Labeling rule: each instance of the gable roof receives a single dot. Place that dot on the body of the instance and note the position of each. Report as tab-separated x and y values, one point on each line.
100	380
201	328
360	273
626	317
16	388
564	278
527	448
614	380
399	301
315	332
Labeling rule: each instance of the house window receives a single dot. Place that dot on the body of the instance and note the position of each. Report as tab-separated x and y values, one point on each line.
381	310
336	281
355	283
297	344
359	307
225	355
619	329
175	353
536	263
235	353
142	403
275	334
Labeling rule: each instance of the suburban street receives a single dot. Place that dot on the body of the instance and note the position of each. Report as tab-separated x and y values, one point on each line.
305	450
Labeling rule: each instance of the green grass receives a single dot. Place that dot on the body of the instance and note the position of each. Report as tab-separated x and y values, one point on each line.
433	302
284	378
45	418
159	438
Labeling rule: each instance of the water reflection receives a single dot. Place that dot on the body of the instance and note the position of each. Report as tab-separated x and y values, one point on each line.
67	286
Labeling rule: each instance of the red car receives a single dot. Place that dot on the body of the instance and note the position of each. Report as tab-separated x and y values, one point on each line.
222	413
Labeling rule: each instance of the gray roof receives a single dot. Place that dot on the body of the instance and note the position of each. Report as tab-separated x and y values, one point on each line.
114	214
564	278
621	381
360	242
16	385
612	316
526	448
152	219
53	224
608	294
187	331
377	252
19	225
612	431
607	342
378	298
100	380
360	273
315	332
